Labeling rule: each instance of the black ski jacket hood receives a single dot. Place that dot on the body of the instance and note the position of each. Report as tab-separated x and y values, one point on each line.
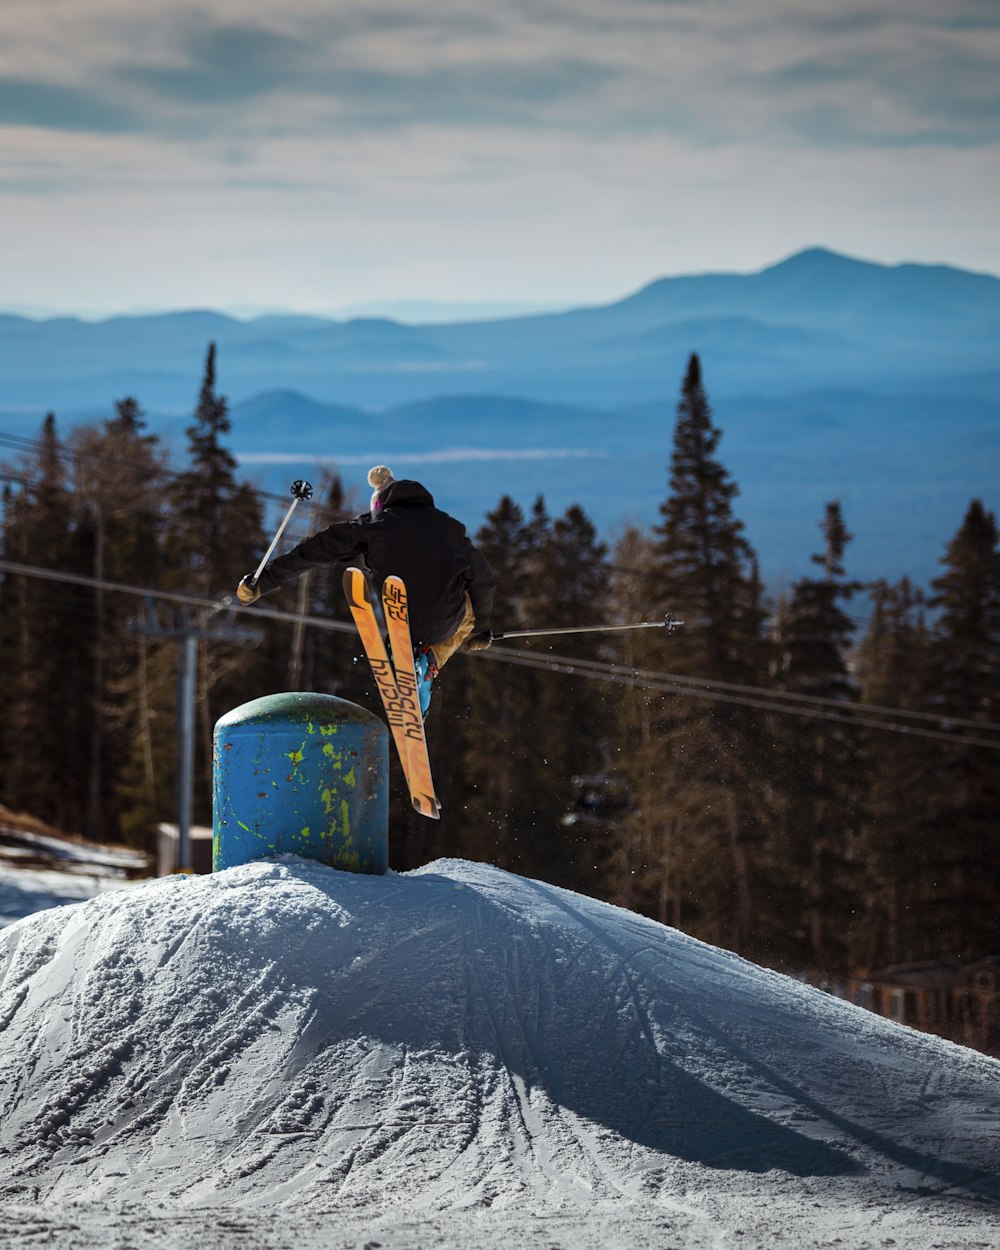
412	539
405	493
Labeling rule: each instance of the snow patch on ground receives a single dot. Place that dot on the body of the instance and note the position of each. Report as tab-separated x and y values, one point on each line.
26	891
288	1055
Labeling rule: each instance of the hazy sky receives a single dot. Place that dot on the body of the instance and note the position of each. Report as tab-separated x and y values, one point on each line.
319	153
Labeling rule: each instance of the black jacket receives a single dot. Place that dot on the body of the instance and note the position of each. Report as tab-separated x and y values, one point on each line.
412	539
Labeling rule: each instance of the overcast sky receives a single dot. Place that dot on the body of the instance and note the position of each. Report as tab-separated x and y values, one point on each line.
316	154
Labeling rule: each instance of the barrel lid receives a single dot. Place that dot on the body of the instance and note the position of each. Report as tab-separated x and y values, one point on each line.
298	707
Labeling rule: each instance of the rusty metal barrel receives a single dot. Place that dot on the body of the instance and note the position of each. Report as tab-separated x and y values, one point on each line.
302	774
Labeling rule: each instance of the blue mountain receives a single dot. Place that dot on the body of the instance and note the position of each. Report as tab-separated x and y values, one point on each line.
830	377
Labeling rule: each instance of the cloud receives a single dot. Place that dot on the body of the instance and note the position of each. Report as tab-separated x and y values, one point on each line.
309	154
714	74
54	106
451	455
930	94
487	92
225	64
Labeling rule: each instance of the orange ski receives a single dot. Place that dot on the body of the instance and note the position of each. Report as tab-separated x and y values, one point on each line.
397	618
396	688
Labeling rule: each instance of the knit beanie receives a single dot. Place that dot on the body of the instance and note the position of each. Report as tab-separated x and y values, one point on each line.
380	477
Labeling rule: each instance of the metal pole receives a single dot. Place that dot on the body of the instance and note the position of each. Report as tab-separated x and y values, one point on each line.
669	623
300	490
189	671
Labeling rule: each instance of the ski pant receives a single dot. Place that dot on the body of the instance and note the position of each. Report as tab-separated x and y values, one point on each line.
443	651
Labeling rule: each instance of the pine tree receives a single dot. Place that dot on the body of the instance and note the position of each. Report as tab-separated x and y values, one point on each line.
570	723
533	729
500	752
821	780
215	534
705	757
44	647
637	869
216	521
117	504
965	663
704	564
899	846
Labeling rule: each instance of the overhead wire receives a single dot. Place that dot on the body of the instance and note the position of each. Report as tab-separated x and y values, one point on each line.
295	534
791	696
771	702
169	596
22	443
760	698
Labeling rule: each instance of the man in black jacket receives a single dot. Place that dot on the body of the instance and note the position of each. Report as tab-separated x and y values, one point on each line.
449	583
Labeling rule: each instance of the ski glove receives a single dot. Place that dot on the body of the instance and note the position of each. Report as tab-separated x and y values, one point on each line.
478	642
248	591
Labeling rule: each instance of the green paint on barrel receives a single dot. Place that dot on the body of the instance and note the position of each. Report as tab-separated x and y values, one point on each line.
303	774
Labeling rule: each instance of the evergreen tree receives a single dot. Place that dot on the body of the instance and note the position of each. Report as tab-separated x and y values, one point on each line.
499	810
965	663
117	503
637	869
570	722
899	846
821	782
216	522
146	786
703	563
43	648
215	535
706	759
533	729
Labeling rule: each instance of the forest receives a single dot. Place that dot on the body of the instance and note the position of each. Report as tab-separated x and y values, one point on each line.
808	778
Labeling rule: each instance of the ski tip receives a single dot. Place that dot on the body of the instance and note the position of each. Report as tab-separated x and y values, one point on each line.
355	588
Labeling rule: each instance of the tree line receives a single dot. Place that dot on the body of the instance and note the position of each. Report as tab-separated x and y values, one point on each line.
851	825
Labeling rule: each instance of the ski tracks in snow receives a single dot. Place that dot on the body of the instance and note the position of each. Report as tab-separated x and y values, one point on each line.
456	1040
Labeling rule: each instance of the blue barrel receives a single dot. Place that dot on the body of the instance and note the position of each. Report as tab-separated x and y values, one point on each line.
301	774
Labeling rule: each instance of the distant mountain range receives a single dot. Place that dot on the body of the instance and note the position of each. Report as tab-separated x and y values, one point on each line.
830	377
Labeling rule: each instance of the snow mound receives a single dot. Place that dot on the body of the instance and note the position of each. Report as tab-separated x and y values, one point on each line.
456	1037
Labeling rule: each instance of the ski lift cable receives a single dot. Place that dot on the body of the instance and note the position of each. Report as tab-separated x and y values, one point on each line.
20	443
571	668
785	696
170	596
764	700
294	535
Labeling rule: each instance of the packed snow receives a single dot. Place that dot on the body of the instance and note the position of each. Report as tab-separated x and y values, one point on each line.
284	1055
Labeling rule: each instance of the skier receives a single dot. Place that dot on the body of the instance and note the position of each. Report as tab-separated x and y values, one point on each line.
449	582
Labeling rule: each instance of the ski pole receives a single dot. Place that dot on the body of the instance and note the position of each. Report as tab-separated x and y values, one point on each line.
300	490
670	623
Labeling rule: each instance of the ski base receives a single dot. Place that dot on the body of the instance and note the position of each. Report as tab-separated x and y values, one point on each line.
396	683
418	773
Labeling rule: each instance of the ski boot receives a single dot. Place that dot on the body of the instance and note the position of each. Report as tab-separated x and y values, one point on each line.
426	670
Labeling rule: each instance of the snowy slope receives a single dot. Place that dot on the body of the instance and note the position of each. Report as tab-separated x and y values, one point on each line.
456	1050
